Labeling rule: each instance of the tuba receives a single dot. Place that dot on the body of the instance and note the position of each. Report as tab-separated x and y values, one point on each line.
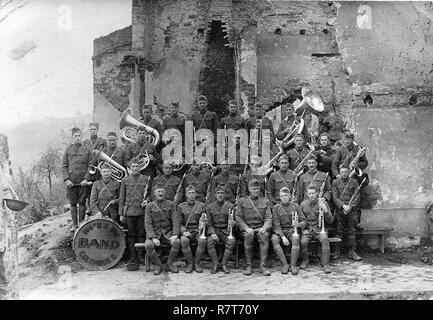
312	99
128	126
296	128
117	171
143	160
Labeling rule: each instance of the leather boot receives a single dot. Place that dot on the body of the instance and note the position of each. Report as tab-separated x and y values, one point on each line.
188	256
337	252
305	260
197	259
155	259
353	255
214	257
324	259
74	218
263	257
294	254
248	257
227	254
81	213
171	256
280	254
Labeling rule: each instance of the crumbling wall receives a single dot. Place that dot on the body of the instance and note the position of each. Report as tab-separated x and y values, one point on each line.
113	78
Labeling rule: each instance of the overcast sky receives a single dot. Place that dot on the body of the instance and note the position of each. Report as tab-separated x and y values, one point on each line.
45	56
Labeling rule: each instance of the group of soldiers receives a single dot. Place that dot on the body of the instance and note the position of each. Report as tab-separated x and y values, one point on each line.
311	186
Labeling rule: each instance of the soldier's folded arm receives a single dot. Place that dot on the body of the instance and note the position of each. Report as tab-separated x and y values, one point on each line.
148	224
335	197
181	223
276	225
121	198
240	218
94	199
268	217
65	165
302	221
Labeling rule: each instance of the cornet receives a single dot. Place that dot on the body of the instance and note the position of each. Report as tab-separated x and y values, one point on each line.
295	223
231	223
128	126
202	225
117	171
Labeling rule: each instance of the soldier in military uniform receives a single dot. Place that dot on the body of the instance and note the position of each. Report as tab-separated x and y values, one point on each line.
315	177
140	149
190	213
232	121
174	120
254	218
343	189
266	123
278	179
251	174
310	208
199	180
217	229
104	198
75	170
230	182
204	119
146	118
115	152
325	154
168	180
283	229
298	153
133	190
161	223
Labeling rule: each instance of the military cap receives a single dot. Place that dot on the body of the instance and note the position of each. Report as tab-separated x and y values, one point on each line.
299	135
349	135
159	186
255	160
94	124
202	98
344	165
190	188
253	183
324	134
283	157
147	107
75	130
220	188
232	102
134	160
105	166
284	190
112	133
168	162
174	103
312	157
258	105
312	187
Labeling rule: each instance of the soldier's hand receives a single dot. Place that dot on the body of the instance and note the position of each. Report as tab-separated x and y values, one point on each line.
69	183
172	239
285	241
262	230
156	242
249	231
83	183
187	234
214	237
347	208
122	218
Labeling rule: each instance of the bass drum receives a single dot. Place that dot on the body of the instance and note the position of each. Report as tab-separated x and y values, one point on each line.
99	243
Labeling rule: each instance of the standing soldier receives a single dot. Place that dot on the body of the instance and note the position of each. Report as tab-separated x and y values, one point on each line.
251	175
279	179
325	154
205	119
230	182
142	149
146	118
298	153
254	218
105	194
199	180
161	222
75	170
174	120
232	121
168	180
115	152
134	189
260	122
310	209
315	177
346	198
189	215
284	230
218	229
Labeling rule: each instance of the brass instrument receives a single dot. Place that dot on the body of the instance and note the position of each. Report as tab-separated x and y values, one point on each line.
312	99
117	171
354	169
143	160
294	212
300	167
231	221
144	203
266	168
202	225
321	214
292	131
128	126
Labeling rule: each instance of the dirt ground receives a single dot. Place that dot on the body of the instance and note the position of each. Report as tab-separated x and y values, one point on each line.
49	270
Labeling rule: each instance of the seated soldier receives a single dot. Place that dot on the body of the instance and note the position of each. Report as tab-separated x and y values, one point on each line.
254	218
105	194
218	229
310	209
190	213
284	224
161	222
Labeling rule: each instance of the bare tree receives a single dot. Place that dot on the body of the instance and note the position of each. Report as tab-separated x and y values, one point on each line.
48	165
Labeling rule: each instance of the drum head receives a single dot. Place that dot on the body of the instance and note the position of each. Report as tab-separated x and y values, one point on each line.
99	243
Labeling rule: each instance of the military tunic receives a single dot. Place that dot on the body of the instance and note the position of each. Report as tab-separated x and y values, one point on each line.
316	178
231	185
174	122
232	122
218	216
296	155
200	183
278	180
75	163
102	193
246	177
153	123
189	216
282	219
170	183
132	190
310	209
253	213
95	143
266	124
207	120
325	161
161	220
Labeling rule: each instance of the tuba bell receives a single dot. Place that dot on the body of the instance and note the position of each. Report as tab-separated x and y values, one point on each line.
128	126
117	171
312	99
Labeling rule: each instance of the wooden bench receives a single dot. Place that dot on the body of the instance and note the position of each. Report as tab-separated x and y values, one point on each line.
381	232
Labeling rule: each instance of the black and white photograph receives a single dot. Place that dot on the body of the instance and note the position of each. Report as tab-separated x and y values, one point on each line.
230	150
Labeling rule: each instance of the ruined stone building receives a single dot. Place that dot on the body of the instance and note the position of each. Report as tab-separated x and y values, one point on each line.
370	62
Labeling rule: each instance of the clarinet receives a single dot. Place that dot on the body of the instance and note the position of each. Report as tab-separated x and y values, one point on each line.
321	214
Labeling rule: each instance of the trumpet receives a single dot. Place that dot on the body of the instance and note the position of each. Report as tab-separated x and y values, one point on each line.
128	126
295	223
117	171
202	225
231	223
